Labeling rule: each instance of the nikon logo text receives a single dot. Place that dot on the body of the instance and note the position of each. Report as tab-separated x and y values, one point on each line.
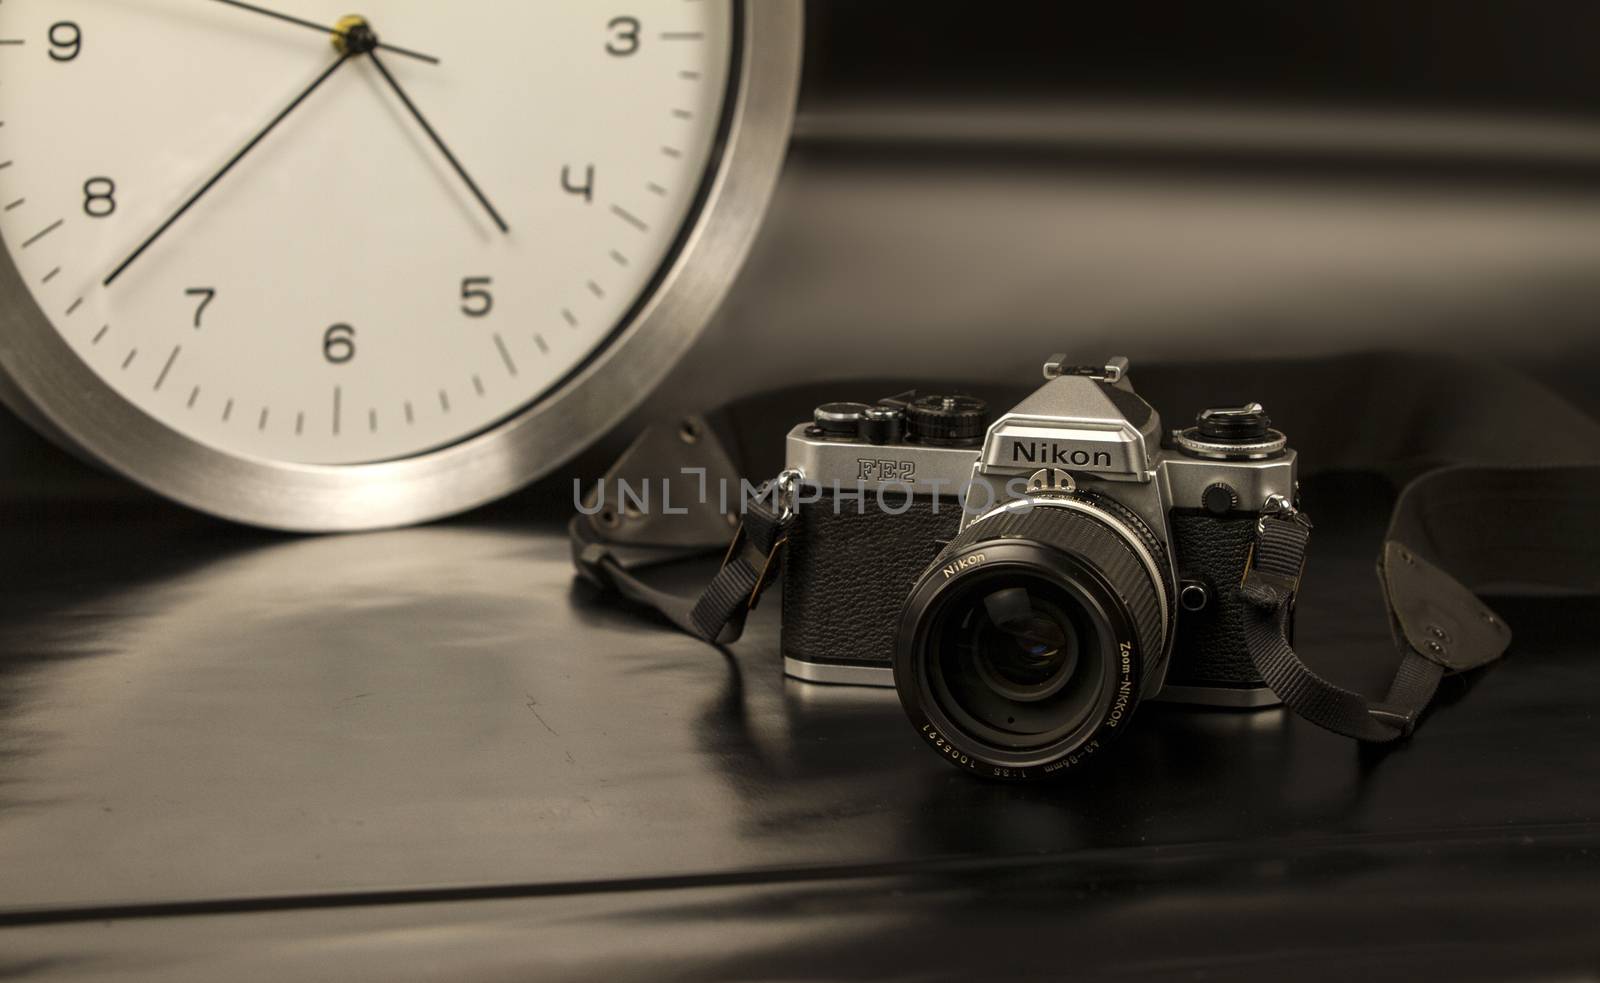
1049	452
962	564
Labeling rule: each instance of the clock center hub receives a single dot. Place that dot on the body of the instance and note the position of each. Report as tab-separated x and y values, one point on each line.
353	35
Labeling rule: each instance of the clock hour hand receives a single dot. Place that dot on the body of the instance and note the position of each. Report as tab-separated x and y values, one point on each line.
338	32
437	141
173	218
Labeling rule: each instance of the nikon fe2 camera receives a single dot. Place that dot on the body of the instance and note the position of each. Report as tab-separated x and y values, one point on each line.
1025	583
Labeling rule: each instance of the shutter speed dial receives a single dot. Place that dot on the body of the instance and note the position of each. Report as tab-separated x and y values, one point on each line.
947	420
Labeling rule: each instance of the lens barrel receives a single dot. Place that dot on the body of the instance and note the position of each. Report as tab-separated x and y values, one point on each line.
1024	648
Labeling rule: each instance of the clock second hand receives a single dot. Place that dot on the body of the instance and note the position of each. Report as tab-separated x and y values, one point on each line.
173	218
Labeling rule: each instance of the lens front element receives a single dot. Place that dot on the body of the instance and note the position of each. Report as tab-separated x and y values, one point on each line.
1017	660
1026	648
1023	647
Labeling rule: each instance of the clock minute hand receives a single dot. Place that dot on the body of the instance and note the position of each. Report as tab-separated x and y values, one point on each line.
322	28
438	142
173	218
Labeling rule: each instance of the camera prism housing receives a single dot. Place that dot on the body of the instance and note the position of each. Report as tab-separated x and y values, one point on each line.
1026	583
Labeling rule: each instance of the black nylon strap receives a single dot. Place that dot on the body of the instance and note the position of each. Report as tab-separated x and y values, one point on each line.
718	614
1270	583
1422	599
1523	527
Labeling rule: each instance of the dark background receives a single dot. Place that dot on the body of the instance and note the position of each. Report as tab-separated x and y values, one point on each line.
974	186
1532	56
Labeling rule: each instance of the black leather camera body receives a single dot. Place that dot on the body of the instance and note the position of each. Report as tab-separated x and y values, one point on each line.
1025	581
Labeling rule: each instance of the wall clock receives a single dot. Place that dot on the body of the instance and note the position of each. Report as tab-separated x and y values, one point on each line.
317	268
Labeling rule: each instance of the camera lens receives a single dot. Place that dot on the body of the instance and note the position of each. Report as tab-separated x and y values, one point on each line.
1016	659
1024	646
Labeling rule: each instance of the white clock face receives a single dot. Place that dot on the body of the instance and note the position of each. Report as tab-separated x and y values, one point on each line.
349	290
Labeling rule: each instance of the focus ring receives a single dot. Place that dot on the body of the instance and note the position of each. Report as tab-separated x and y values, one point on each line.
1090	538
1133	524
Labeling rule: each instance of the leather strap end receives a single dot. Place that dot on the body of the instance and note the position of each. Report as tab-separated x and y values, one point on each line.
1435	616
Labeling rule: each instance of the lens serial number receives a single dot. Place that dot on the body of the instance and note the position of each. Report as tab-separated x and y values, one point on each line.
946	748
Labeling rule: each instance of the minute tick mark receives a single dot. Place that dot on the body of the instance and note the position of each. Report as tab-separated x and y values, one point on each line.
58	223
630	218
162	378
505	354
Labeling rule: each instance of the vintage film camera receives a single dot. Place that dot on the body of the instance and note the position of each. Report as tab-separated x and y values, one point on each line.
1025	583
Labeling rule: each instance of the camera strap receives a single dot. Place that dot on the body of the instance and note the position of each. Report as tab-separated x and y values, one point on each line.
1514	525
717	614
610	546
1460	516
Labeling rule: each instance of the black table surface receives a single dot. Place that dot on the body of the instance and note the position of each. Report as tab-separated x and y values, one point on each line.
429	753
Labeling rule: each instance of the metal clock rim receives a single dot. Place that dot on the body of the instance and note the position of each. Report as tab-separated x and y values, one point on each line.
48	384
